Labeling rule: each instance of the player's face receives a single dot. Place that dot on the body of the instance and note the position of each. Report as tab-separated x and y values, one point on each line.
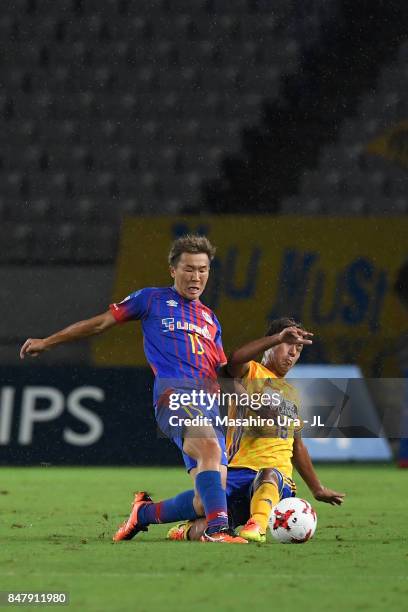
191	274
283	357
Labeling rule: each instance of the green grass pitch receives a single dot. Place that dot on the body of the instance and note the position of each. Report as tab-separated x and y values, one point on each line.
56	526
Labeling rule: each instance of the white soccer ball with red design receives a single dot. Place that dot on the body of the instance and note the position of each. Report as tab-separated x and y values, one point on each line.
293	521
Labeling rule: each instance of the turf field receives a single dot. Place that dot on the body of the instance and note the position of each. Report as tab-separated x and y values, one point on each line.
56	526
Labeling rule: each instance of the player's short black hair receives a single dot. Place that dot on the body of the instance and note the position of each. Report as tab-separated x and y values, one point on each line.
190	243
278	325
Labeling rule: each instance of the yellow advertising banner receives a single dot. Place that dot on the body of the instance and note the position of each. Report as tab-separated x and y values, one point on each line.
335	275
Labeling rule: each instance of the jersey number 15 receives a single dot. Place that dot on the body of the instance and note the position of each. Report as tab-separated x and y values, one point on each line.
196	346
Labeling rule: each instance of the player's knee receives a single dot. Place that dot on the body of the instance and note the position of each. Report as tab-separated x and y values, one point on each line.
210	449
265	475
203	449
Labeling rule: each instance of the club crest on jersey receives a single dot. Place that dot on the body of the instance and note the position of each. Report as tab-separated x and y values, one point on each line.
288	409
172	303
207	317
168	324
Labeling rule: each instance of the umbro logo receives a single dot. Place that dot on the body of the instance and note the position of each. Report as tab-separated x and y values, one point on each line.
172	303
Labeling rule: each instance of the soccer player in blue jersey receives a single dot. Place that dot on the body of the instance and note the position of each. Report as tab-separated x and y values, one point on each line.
182	342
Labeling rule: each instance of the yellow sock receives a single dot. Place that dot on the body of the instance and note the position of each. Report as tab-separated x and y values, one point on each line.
262	502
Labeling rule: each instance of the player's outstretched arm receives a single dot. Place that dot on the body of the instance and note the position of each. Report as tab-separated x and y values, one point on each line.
89	327
303	464
238	363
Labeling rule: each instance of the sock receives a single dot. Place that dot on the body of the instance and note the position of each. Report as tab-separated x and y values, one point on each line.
262	502
177	508
214	499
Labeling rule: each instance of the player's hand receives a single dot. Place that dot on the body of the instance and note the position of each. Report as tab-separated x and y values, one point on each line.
32	347
324	494
295	335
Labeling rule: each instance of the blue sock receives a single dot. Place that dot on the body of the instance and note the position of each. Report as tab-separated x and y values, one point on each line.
214	499
177	508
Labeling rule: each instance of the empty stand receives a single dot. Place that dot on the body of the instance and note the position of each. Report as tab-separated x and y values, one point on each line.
352	177
118	107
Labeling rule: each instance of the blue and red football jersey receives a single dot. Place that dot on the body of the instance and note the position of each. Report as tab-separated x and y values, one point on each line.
182	338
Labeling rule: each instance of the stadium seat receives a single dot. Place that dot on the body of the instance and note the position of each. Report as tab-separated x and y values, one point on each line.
38	211
349	177
16	240
112	104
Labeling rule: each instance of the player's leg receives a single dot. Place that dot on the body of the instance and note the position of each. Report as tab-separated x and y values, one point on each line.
198	504
266	494
202	449
239	489
206	459
191	530
186	505
209	476
238	484
145	512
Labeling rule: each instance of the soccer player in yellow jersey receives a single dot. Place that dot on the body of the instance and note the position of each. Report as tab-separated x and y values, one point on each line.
261	459
272	453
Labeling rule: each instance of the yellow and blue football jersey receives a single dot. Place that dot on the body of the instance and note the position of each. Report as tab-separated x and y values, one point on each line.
264	446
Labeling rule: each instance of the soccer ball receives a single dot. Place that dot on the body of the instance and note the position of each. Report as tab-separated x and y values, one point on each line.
293	521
